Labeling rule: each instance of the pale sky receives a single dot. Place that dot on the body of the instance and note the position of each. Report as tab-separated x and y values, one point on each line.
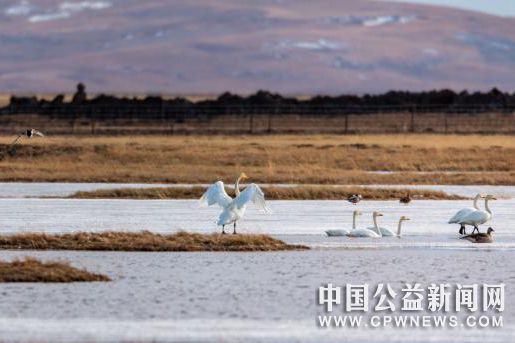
495	7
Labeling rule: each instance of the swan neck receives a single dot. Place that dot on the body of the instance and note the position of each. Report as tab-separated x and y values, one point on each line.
376	226
476	198
354	215
399	228
237	186
487	208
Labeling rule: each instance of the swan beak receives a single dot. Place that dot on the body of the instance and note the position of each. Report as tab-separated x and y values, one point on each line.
407	219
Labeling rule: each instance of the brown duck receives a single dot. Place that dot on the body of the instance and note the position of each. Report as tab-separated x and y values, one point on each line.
480	237
405	199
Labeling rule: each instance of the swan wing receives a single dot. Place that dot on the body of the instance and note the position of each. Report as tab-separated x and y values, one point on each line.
363	233
386	232
461	214
252	193
475	218
335	233
216	194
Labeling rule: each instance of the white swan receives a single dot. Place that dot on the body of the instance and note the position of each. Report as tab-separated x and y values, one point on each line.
464	212
344	232
403	218
368	232
380	230
233	209
479	217
389	233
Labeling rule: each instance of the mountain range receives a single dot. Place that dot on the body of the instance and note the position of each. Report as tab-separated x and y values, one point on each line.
287	46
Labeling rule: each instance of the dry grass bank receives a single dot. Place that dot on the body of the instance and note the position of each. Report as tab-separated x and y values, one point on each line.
328	159
144	241
272	193
32	270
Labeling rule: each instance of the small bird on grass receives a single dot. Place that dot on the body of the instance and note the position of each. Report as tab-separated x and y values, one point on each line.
354	198
29	133
480	237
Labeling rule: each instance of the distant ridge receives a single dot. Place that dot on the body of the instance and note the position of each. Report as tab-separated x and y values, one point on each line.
291	47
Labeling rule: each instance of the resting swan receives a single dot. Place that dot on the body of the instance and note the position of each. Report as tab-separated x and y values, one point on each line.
344	232
233	209
464	212
367	232
479	217
403	218
389	233
381	230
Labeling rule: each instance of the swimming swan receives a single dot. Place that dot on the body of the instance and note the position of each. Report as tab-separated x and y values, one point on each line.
479	217
367	232
389	233
344	232
380	230
464	212
403	218
233	209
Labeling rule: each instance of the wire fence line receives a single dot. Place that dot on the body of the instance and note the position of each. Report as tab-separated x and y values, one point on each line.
381	119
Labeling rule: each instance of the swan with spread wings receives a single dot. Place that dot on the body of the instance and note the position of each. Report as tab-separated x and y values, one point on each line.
233	209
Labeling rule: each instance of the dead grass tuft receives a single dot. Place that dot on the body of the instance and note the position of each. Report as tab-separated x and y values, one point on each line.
32	270
144	241
272	193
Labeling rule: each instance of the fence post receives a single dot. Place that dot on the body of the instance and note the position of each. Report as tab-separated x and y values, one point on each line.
412	120
251	123
92	121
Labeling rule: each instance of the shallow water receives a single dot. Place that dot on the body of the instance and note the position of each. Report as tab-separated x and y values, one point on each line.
298	219
236	297
243	297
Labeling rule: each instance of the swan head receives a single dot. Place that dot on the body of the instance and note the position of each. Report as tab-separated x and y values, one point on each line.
490	197
403	218
377	214
357	213
243	176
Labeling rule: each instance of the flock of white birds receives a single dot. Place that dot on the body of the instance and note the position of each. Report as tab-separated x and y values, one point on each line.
233	209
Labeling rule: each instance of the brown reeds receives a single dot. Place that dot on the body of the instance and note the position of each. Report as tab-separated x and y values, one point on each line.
32	270
144	241
272	193
307	159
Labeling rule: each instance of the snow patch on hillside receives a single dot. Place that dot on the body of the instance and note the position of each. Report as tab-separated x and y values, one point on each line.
64	10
